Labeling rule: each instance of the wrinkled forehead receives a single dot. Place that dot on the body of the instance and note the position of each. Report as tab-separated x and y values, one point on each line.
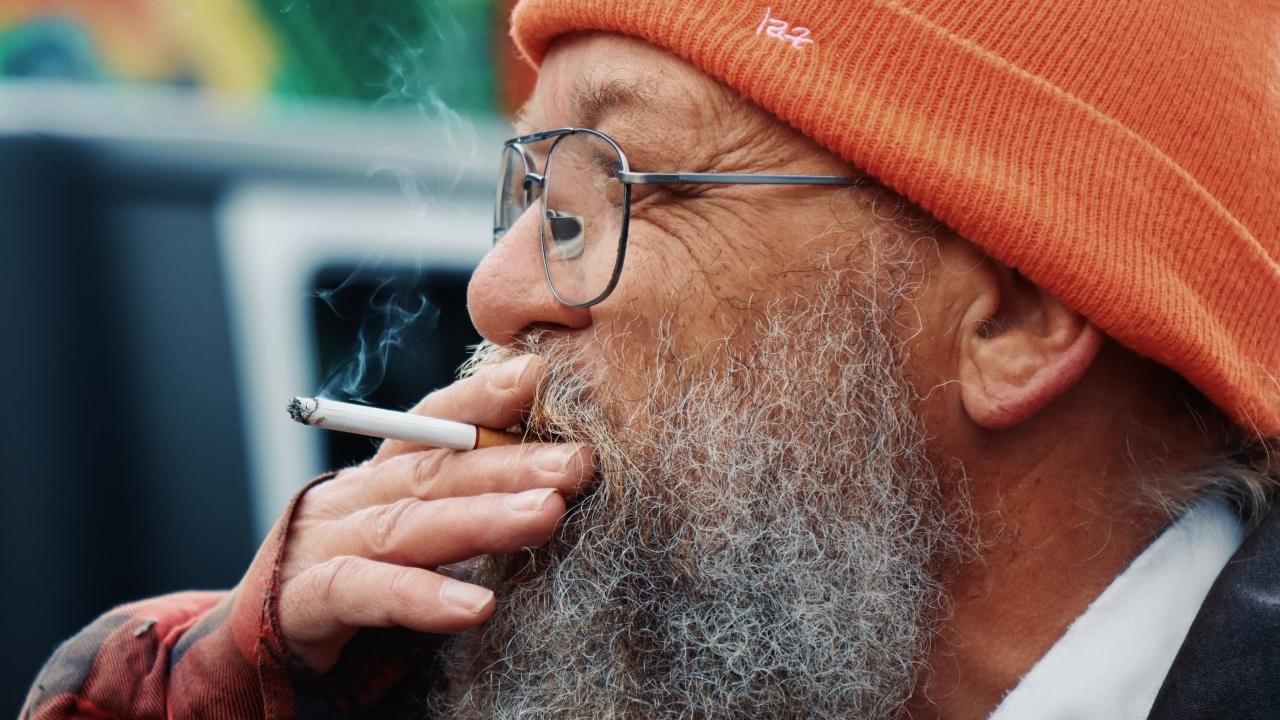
587	77
641	95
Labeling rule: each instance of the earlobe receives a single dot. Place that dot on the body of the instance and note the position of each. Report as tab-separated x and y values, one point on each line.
1023	352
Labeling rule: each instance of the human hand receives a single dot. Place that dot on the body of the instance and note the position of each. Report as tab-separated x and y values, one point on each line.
363	548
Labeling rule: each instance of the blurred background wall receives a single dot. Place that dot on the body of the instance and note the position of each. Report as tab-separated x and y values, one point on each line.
208	206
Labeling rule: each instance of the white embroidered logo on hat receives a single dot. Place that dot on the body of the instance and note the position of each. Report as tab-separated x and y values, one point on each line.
798	37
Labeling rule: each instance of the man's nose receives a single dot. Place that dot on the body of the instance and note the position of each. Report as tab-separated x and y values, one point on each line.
508	295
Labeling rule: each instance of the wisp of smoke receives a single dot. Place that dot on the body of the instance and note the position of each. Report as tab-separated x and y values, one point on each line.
425	47
416	70
387	321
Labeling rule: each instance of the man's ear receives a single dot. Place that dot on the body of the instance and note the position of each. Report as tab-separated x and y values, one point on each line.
1021	348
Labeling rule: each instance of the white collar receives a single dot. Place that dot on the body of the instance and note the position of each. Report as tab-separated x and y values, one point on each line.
1110	663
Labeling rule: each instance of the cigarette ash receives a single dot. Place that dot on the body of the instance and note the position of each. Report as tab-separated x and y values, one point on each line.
302	410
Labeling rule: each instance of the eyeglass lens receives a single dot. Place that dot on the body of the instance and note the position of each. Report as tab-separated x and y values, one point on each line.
513	197
583	210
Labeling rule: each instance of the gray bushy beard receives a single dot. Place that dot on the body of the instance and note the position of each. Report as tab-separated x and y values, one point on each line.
766	538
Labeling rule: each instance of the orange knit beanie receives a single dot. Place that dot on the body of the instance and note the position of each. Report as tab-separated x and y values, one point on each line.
1122	154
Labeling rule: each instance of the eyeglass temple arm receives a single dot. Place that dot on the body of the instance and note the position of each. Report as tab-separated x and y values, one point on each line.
639	178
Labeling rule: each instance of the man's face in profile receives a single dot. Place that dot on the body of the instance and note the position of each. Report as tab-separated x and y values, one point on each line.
768	531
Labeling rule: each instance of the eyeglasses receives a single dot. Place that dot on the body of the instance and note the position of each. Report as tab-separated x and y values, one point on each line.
586	210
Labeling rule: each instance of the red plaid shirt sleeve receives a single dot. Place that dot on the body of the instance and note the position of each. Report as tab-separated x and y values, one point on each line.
214	655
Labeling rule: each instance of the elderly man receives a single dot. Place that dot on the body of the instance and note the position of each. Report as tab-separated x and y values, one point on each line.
877	359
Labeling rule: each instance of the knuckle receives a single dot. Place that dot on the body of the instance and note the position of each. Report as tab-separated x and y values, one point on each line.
404	589
382	525
426	468
333	574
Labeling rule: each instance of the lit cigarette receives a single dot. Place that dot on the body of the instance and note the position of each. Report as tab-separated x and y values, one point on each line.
375	422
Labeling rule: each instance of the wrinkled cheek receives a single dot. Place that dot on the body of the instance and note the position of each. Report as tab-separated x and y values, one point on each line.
698	252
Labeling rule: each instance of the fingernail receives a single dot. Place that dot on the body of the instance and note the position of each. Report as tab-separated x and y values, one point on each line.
507	375
529	500
555	458
471	598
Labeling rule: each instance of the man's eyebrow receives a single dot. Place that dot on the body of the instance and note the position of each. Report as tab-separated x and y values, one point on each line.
590	100
593	99
521	122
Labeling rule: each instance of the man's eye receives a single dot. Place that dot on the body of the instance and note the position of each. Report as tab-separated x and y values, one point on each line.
568	234
665	193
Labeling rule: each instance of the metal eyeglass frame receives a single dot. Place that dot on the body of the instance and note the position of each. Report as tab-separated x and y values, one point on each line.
627	178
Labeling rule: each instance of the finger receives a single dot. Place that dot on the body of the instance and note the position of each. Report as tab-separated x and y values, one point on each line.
486	397
495	397
434	474
413	532
321	609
